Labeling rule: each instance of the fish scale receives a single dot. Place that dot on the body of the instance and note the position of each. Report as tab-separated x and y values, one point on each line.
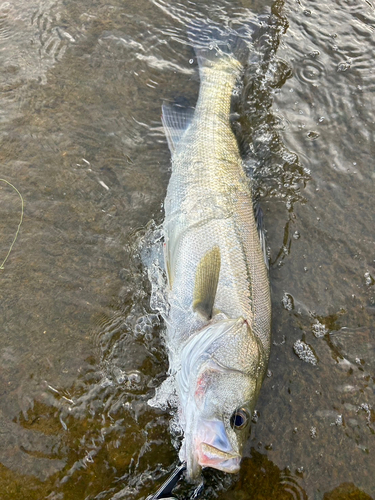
218	325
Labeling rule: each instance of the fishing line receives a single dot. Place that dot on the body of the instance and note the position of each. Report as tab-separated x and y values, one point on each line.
19	225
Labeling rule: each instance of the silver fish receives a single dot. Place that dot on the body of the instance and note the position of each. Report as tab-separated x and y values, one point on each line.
218	325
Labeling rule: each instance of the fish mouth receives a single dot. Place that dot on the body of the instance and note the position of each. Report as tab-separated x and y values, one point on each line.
209	456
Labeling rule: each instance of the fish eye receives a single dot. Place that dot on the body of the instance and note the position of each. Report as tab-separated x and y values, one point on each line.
239	419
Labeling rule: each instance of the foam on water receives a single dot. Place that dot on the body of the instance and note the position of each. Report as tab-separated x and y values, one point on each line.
304	352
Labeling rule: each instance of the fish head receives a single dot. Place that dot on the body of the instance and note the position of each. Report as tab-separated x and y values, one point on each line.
222	389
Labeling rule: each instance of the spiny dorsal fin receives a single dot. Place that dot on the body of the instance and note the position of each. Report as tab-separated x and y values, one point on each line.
206	281
175	121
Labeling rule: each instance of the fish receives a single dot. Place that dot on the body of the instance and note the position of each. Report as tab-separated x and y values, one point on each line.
218	323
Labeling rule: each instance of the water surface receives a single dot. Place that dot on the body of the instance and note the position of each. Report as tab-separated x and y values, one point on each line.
81	88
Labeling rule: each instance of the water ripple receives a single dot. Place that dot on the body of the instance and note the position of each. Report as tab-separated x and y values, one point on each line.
310	71
5	29
292	486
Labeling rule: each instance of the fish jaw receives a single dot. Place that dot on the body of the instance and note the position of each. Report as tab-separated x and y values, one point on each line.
213	448
209	456
209	446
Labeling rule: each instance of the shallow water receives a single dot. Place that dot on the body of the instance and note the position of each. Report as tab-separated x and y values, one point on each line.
81	86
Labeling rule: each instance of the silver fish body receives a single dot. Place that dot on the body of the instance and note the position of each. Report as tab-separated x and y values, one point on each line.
218	325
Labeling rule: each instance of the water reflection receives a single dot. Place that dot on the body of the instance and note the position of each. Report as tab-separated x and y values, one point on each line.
346	491
261	479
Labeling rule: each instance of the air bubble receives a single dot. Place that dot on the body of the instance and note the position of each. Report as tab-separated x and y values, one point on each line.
344	66
369	280
296	235
287	302
367	409
338	420
304	352
134	377
310	71
319	330
119	375
312	135
144	326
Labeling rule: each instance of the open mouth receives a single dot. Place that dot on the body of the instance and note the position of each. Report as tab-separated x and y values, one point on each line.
209	456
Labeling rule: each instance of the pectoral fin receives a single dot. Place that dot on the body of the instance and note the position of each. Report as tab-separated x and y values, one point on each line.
206	281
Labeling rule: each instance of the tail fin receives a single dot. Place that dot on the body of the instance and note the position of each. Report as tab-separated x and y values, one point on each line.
212	42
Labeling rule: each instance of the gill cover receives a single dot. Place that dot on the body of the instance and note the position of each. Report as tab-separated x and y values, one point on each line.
221	371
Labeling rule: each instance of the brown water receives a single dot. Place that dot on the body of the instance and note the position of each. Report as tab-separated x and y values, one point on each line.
81	87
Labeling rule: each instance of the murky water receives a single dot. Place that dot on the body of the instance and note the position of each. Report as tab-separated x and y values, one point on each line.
81	86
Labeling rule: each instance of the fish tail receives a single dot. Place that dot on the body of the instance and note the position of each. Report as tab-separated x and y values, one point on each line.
215	45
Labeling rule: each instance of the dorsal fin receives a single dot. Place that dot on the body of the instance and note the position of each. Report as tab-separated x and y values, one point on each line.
258	213
175	121
206	281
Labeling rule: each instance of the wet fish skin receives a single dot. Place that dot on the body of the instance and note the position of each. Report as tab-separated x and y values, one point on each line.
218	326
